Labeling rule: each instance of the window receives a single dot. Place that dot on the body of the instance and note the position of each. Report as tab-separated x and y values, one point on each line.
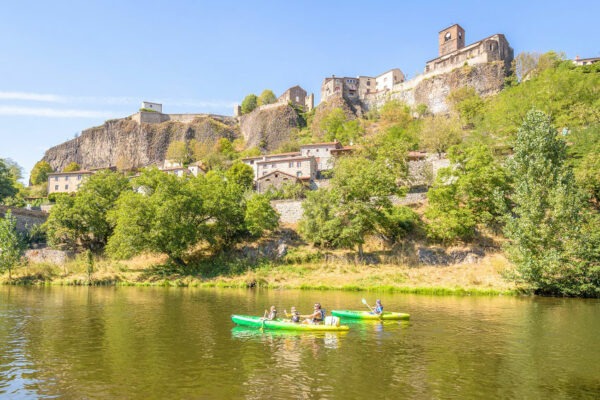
272	165
299	174
264	173
297	99
291	165
368	83
317	150
66	178
55	187
298	164
66	187
56	178
78	177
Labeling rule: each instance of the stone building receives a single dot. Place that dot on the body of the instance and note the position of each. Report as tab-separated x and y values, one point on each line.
453	52
361	86
276	180
66	182
298	97
585	61
148	105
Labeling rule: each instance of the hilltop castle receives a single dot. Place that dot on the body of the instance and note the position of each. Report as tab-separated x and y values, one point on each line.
367	91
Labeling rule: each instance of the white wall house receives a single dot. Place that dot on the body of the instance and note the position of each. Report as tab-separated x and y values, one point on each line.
152	106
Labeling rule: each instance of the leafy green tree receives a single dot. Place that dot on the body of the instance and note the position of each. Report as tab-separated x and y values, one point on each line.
550	232
358	199
15	169
12	245
266	97
260	216
71	167
242	174
249	103
82	220
334	125
447	221
179	151
395	112
397	223
588	175
439	133
467	104
7	182
39	173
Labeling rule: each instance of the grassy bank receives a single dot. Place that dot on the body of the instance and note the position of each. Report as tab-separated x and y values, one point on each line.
483	278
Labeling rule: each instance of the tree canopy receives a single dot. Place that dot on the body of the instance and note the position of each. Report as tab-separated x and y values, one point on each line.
249	103
39	173
266	97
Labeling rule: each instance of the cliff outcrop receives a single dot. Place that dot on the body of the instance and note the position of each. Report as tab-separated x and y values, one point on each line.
432	90
270	127
125	143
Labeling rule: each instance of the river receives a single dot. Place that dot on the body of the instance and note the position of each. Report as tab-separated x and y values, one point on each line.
158	343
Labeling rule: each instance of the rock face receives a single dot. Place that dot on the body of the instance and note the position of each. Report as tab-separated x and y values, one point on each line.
125	142
486	79
268	128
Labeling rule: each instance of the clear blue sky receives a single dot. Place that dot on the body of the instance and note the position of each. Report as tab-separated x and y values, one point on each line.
67	66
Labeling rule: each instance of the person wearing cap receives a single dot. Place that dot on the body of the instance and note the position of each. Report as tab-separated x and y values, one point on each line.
316	317
294	315
271	314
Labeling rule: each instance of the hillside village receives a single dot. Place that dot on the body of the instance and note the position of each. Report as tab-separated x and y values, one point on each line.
362	93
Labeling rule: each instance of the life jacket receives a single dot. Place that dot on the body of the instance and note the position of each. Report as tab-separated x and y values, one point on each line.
272	315
378	309
322	318
296	317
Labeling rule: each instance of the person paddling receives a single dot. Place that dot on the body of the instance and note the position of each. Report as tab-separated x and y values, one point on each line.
294	315
378	309
316	317
271	314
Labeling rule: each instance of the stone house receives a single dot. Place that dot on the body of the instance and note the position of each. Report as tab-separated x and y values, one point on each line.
148	105
276	180
66	182
322	152
298	97
585	61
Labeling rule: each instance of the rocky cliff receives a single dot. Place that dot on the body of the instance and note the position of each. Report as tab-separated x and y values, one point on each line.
126	143
268	128
432	90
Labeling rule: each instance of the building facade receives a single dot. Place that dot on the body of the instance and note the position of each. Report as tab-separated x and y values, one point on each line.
152	106
66	182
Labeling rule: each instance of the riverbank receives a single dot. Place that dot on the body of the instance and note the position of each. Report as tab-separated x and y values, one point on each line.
486	277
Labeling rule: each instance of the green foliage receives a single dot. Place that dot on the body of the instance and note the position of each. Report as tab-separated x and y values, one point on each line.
553	238
12	245
16	171
39	173
395	112
439	133
81	220
266	97
288	191
334	125
569	93
249	103
241	174
588	175
397	223
71	167
473	190
358	198
8	186
143	109
260	216
179	151
467	104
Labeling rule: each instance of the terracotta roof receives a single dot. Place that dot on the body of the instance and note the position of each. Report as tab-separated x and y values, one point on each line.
321	144
271	155
417	154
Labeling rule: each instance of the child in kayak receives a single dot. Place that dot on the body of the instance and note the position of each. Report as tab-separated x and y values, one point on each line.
271	314
378	309
316	317
294	315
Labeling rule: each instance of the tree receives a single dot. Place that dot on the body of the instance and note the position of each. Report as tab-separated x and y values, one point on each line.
16	171
179	152
466	103
260	216
358	199
395	112
242	174
551	233
82	220
39	173
71	167
12	245
439	133
266	97
334	125
7	182
249	103
588	175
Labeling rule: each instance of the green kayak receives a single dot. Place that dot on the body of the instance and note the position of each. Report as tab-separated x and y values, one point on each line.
281	324
367	315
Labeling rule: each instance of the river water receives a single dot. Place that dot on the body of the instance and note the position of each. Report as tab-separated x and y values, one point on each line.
157	343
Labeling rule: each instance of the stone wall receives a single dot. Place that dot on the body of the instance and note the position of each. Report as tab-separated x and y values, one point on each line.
290	211
57	257
25	218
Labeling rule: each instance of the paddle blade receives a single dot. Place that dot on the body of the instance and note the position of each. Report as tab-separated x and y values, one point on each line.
364	302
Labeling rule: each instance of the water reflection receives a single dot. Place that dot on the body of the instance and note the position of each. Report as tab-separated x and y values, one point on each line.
180	343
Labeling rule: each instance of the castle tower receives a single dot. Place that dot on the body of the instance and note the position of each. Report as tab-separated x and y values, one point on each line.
451	39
